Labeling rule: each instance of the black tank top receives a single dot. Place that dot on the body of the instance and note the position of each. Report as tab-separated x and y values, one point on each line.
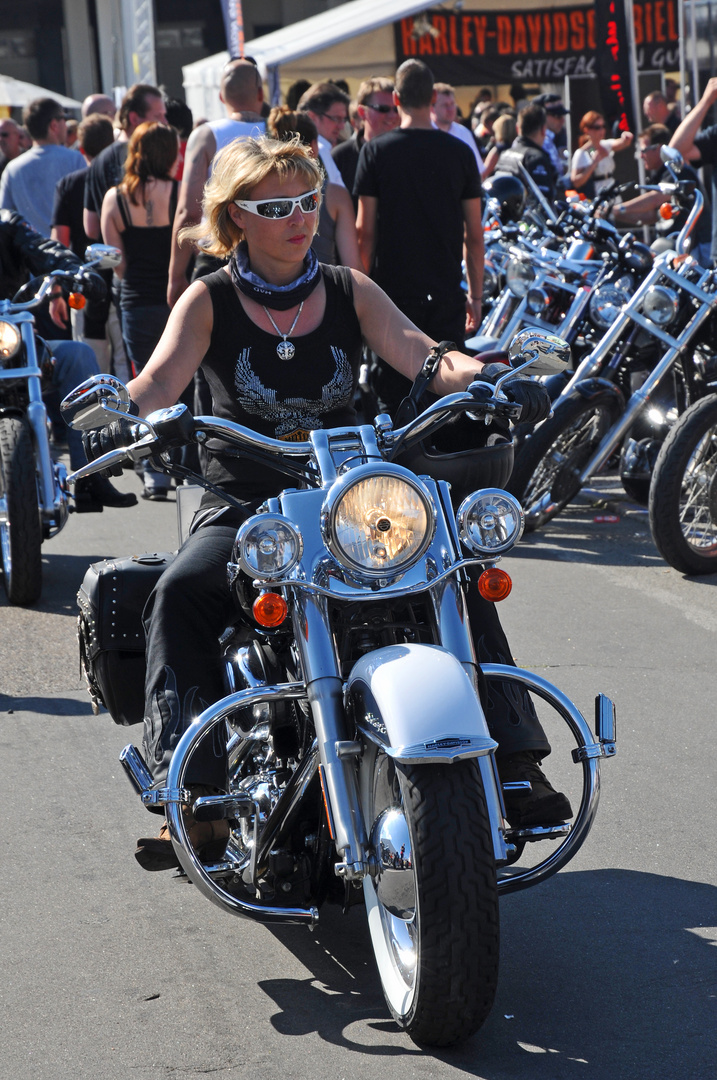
251	385
147	252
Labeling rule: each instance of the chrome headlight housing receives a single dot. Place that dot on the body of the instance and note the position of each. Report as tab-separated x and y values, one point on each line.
10	342
519	276
491	281
490	521
378	522
537	300
660	305
606	302
267	546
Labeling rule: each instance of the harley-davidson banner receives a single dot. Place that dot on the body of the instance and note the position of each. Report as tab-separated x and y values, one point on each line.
467	48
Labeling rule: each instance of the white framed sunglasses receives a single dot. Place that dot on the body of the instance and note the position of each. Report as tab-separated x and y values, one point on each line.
274	209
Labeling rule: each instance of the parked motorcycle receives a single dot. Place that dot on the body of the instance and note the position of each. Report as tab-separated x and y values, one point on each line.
358	748
569	280
34	499
619	401
683	494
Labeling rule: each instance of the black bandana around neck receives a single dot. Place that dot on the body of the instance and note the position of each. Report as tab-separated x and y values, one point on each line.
277	297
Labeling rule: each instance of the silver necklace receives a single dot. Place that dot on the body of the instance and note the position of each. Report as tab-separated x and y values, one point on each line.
285	349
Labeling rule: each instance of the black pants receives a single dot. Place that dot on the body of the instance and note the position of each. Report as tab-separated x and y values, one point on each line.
189	609
441	317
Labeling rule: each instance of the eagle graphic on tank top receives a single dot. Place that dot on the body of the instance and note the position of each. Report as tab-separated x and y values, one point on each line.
292	417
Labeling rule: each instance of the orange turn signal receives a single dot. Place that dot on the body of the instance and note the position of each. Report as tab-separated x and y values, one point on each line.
494	584
270	609
667	212
76	300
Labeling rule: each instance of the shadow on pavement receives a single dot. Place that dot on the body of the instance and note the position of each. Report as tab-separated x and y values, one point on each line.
45	706
604	974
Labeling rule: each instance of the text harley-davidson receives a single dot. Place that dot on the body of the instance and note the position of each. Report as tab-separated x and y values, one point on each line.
359	753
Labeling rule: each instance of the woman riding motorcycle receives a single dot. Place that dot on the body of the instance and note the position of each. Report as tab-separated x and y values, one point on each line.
279	338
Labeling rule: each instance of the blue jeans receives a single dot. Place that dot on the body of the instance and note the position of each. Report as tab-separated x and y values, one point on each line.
73	363
142	327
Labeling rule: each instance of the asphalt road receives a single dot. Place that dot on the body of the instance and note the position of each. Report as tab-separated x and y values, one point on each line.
608	970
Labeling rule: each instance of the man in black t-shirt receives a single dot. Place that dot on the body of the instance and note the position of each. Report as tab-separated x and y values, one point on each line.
419	199
141	104
700	147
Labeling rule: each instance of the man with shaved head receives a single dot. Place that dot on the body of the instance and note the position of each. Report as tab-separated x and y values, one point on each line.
98	103
242	95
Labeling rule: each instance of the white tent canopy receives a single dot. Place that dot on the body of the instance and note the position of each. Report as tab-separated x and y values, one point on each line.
348	40
16	94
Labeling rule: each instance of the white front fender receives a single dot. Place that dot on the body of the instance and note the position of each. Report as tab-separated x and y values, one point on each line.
418	703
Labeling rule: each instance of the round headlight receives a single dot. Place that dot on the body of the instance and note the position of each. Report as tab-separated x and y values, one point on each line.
378	523
606	302
537	300
267	546
10	341
490	282
660	305
490	521
519	276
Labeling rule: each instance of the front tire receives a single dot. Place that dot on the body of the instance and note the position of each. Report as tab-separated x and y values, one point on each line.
547	467
20	525
433	906
683	495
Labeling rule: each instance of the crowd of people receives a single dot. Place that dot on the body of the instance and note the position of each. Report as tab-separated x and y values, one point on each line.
262	255
399	152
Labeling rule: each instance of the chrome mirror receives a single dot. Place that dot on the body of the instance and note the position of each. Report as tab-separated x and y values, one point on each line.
93	403
543	353
103	255
672	157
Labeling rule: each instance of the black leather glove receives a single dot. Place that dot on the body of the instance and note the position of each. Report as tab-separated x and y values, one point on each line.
119	433
531	396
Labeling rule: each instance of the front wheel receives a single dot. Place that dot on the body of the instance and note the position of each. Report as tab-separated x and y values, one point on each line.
20	525
683	495
547	468
433	902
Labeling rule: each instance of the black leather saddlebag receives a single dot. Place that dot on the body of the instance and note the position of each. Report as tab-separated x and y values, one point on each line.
110	632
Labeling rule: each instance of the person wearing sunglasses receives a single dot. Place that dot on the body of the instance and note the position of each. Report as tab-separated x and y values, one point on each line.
335	241
279	337
328	107
378	114
644	209
593	164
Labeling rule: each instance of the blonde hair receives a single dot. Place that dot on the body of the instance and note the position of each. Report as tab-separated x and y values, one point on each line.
236	171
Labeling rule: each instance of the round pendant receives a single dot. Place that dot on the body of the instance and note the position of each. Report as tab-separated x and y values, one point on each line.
285	350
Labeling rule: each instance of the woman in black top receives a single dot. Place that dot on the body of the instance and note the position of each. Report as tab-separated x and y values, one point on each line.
279	338
137	218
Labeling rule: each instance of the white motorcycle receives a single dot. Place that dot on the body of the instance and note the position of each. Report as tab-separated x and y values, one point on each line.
359	754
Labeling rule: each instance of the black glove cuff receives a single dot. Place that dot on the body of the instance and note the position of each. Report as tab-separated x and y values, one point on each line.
493	371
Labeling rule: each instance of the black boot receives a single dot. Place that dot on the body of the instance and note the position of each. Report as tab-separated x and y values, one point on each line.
542	805
93	493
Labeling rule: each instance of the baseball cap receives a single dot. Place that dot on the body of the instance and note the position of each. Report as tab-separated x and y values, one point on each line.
552	103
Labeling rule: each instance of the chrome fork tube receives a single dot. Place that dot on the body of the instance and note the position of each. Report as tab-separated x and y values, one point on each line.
591	364
37	418
325	693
